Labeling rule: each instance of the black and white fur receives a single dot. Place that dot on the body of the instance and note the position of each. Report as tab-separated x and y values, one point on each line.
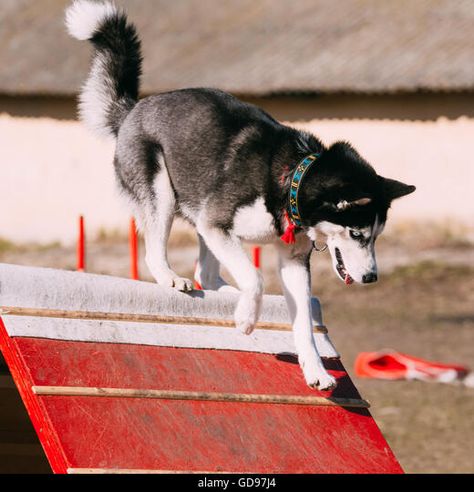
225	166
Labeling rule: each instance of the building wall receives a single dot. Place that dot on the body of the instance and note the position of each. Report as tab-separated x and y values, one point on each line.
52	169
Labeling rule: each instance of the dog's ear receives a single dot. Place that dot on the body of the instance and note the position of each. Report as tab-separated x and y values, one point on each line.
396	189
345	205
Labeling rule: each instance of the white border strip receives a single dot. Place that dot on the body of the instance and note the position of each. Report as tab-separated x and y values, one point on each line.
185	336
44	288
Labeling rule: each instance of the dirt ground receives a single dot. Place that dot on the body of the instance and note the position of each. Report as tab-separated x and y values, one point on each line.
422	305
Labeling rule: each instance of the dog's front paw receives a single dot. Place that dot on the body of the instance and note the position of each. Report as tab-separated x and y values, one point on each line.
246	313
317	377
323	382
246	324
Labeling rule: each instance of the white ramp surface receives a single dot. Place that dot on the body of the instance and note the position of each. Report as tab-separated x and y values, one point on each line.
42	288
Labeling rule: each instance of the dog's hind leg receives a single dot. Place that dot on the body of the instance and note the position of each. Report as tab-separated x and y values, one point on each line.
207	273
296	283
157	225
228	250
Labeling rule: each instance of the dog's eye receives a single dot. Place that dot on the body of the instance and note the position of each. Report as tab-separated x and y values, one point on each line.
355	234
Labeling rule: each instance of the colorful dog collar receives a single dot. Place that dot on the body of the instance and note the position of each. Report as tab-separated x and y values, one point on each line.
296	181
293	214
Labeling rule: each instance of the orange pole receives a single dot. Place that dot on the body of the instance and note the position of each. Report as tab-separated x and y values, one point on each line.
256	256
133	243
81	246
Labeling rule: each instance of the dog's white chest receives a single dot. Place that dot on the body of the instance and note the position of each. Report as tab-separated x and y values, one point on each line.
254	223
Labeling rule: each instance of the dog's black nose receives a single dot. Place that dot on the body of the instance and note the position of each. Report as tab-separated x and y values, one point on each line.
369	278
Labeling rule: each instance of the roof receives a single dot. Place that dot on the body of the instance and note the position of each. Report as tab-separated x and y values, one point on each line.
255	47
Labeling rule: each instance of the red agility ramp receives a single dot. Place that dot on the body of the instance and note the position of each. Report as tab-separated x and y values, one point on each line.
115	380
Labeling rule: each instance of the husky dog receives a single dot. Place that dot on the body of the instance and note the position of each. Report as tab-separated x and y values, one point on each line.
228	168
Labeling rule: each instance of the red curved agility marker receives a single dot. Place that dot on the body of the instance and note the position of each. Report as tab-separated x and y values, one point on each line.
394	365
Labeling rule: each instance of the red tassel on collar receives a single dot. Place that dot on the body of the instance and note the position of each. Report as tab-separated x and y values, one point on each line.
288	236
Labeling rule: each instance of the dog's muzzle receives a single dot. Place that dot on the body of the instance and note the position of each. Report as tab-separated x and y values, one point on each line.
369	278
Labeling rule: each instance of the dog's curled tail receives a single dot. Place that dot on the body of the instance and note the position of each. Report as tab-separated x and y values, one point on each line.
111	90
